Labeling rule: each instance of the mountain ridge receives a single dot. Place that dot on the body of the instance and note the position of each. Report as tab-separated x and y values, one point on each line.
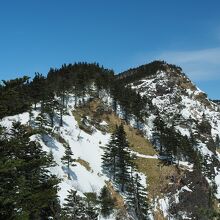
171	126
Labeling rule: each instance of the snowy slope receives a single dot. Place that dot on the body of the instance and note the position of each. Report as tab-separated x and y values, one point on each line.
87	148
181	103
83	145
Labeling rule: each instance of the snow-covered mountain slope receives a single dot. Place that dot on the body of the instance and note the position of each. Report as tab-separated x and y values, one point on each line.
86	175
85	146
180	104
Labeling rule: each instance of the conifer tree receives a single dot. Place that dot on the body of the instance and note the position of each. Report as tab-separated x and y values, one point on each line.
137	108
67	159
30	189
91	209
117	158
42	120
110	156
217	141
107	202
38	89
74	207
137	198
50	107
159	134
123	161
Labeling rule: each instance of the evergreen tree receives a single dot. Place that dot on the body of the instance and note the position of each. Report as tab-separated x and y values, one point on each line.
159	134
117	159
107	202
137	107
30	189
67	159
42	121
123	161
14	96
50	107
91	209
137	198
217	141
110	156
74	207
39	89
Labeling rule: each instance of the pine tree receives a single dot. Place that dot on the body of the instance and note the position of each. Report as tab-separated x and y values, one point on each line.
38	89
91	209
217	141
30	189
123	159
110	156
137	108
137	198
159	134
74	207
106	201
42	121
67	159
50	106
117	158
15	97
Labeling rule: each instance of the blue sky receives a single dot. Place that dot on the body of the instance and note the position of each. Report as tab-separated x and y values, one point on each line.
38	34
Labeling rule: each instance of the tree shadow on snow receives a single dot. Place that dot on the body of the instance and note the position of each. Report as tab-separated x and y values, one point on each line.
49	141
71	173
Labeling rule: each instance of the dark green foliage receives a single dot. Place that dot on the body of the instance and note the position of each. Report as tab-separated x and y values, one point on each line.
28	190
110	156
150	69
118	162
117	159
217	141
106	201
67	159
172	144
123	160
91	209
131	103
137	198
77	207
14	96
74	207
73	77
39	89
159	131
205	127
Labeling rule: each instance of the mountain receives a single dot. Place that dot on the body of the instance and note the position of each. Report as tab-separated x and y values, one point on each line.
143	144
184	108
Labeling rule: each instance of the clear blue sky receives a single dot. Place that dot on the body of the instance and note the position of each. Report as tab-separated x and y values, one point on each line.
38	34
